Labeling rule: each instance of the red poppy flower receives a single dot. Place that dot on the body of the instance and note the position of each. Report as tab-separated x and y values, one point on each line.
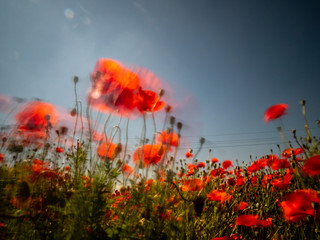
231	182
281	183
1	158
224	238
265	223
243	205
218	172
299	205
127	169
247	220
254	167
171	139
192	184
40	167
218	195
275	111
312	165
296	151
114	88
59	150
280	163
189	155
149	154
36	117
241	181
226	164
214	160
107	150
201	165
148	101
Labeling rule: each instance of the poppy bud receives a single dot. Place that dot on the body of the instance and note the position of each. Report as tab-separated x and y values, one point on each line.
161	92
172	120
63	130
179	125
168	109
73	112
303	102
202	140
75	79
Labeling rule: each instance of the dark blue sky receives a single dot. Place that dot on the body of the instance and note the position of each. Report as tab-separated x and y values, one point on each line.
226	61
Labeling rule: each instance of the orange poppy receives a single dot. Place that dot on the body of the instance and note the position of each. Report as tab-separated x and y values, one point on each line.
275	111
214	160
171	139
148	154
188	154
218	195
127	169
107	150
192	184
148	101
36	117
296	151
114	88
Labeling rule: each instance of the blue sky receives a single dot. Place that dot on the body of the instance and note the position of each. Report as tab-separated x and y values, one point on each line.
225	61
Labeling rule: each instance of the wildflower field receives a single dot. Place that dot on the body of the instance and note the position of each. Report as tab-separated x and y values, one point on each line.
84	182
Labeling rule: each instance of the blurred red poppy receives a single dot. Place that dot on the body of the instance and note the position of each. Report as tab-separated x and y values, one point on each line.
107	150
275	111
296	151
188	154
171	139
279	163
214	160
226	164
192	184
218	195
1	158
148	154
265	223
37	117
148	101
118	90
218	172
243	205
247	220
312	165
59	150
127	169
299	205
114	88
201	165
225	238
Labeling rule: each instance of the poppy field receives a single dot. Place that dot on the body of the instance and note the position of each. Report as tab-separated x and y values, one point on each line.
85	182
